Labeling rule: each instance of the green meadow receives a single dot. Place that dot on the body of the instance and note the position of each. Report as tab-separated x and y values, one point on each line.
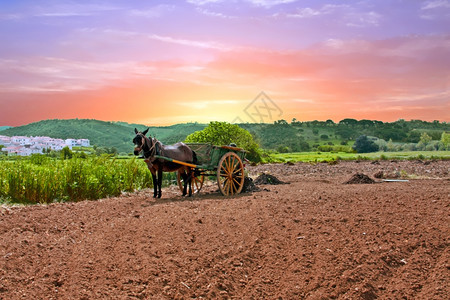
334	156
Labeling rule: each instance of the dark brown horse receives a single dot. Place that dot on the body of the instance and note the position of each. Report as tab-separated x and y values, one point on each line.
179	151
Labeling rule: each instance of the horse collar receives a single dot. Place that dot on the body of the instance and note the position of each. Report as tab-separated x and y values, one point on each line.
157	146
153	150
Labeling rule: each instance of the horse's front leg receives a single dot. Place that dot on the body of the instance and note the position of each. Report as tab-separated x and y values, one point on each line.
160	176
155	184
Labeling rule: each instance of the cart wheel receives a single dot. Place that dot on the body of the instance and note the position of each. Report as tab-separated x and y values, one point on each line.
230	174
197	182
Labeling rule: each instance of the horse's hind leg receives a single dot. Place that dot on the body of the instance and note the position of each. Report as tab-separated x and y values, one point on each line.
185	178
189	179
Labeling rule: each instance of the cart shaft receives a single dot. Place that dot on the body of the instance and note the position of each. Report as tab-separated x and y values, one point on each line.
176	161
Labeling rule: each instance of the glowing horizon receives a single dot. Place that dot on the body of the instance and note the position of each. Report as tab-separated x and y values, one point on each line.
160	63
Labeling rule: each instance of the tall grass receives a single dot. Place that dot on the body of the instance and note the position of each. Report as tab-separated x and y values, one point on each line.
44	180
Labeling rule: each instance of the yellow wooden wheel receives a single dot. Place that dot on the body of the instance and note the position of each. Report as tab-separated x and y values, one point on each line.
230	174
197	182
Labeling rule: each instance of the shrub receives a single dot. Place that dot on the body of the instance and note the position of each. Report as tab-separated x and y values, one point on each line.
365	145
325	148
283	149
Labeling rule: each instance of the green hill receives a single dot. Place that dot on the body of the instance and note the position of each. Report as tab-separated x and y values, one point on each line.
103	134
318	135
4	127
281	135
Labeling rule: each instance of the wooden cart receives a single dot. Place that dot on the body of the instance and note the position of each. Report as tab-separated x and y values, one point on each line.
223	162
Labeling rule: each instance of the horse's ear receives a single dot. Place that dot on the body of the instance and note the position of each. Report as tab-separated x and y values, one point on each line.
136	131
145	131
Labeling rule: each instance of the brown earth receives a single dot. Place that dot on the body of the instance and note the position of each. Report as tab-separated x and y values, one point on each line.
314	238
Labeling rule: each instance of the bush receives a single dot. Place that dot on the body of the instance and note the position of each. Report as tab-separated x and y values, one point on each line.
382	145
325	148
283	149
365	145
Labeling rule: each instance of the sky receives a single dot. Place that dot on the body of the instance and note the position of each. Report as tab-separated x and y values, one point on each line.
166	62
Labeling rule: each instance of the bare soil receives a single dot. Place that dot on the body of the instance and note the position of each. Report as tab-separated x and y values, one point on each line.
314	238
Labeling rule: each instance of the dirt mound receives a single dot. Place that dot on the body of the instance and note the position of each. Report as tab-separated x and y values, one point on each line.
379	174
249	186
360	178
268	179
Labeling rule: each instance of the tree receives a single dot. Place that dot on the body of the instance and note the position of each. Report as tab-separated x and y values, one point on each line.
346	133
330	122
294	122
349	122
390	145
445	140
223	133
281	122
413	136
425	138
66	153
365	145
366	123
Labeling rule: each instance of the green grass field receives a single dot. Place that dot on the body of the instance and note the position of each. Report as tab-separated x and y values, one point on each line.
330	156
41	179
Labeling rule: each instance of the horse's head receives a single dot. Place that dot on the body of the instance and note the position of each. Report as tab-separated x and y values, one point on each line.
139	140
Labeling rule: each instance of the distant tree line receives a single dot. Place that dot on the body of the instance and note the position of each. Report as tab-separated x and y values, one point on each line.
328	135
281	135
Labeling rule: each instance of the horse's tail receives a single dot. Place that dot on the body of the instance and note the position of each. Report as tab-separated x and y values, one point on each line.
194	157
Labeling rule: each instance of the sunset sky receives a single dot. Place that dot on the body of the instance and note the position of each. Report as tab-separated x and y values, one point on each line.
166	62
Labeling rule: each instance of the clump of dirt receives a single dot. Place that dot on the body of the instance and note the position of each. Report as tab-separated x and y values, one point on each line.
268	179
249	186
379	175
360	178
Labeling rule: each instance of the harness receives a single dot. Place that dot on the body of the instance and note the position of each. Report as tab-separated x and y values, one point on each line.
151	151
149	154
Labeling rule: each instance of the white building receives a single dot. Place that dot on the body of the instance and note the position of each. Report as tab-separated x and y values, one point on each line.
24	146
78	143
21	140
5	140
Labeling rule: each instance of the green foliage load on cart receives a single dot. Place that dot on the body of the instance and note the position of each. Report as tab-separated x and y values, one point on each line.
223	133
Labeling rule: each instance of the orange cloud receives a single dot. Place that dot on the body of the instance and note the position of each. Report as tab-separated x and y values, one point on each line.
385	80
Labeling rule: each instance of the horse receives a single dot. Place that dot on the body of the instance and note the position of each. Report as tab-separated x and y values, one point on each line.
179	151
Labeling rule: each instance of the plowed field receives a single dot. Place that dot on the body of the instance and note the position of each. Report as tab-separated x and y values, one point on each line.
314	238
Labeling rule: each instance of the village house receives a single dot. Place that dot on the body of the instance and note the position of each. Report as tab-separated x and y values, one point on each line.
25	146
78	143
